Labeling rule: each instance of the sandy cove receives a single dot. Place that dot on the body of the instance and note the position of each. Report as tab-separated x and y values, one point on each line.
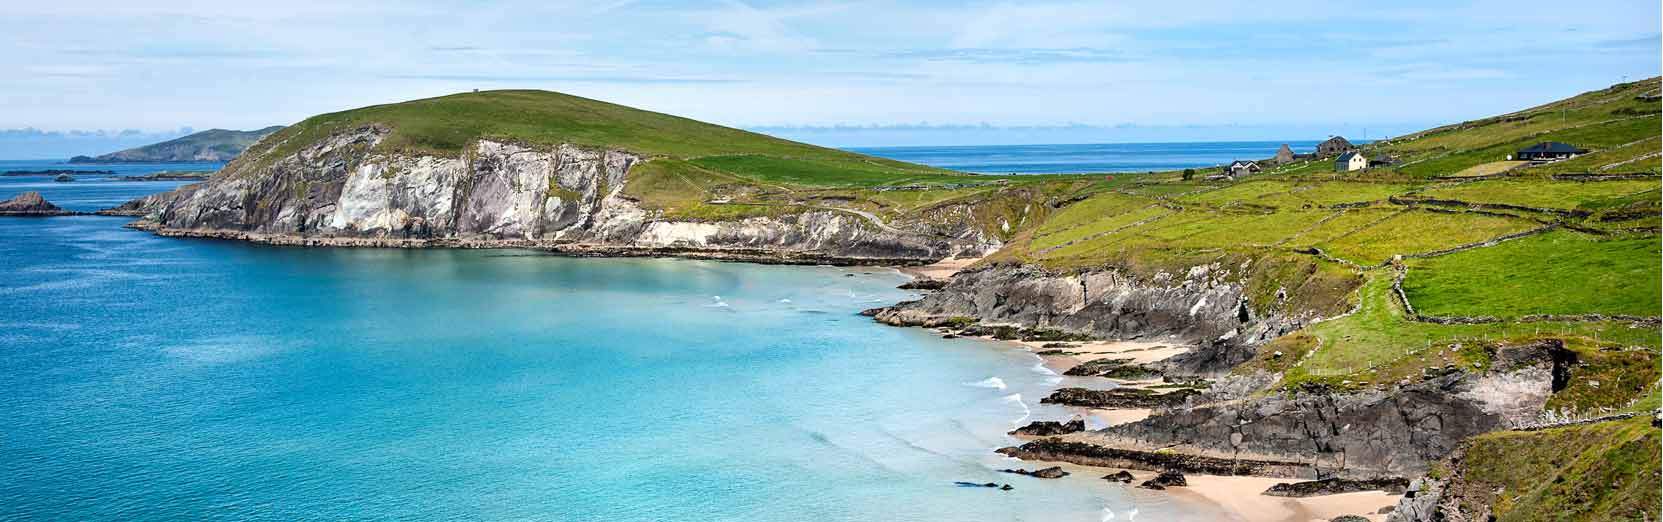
1241	496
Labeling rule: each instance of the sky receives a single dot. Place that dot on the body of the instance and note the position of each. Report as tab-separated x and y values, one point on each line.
838	73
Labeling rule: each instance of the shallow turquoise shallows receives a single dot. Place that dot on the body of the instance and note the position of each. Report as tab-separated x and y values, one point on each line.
147	378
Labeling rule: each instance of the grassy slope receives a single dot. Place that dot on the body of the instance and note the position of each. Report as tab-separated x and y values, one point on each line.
1605	471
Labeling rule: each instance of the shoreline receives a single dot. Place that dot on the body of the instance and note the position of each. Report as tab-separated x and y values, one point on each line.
1237	496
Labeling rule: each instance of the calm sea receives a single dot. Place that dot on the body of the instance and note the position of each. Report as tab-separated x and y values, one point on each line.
148	378
1105	157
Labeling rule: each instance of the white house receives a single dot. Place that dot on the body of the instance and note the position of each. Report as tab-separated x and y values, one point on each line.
1350	161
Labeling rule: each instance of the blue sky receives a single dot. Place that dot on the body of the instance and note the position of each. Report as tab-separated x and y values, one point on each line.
913	72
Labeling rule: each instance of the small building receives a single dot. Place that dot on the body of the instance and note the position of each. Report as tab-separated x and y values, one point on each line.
1549	151
1350	161
1242	168
1284	155
1383	160
1333	146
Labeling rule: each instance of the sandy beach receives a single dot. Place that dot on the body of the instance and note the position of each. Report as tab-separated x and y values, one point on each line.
1241	496
940	270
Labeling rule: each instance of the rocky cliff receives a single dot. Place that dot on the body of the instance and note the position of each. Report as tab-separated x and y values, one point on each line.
343	190
1208	305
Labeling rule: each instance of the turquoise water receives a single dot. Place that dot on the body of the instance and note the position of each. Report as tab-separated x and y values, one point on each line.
148	378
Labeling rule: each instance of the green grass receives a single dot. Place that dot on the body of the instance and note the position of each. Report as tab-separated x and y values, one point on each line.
1420	231
1097	227
1538	193
1347	222
447	125
1603	119
1287	194
1640	156
1381	344
1531	275
1605	471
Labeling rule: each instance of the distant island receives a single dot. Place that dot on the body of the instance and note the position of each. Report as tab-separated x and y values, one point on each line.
213	145
53	172
170	175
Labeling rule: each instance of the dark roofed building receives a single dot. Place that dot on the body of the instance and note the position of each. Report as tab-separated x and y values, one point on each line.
1549	151
1382	160
1334	146
1242	168
1350	161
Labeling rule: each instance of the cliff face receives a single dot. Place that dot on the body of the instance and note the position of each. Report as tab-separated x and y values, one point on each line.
338	191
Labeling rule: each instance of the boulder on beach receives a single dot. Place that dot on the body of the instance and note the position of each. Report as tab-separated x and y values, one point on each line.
1123	477
1047	473
1164	480
1051	428
1335	486
31	204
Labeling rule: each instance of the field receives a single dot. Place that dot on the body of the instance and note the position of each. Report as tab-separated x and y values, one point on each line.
1421	231
1529	276
1568	195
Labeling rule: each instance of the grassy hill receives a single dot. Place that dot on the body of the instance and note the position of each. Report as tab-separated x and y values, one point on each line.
694	170
208	145
447	124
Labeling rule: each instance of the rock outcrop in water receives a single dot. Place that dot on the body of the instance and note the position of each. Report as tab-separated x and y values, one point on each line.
339	191
31	204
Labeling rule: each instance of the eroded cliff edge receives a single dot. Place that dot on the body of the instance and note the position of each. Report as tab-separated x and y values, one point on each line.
344	191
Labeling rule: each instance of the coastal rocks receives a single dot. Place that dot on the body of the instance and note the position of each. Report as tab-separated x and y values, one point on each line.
1335	486
1052	472
1165	480
923	284
1005	487
1122	476
1087	454
1123	369
1051	428
31	204
1378	432
1118	398
1205	305
342	191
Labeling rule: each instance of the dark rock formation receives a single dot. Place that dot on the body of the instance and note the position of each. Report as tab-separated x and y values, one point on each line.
1349	518
1047	473
1005	487
30	204
1051	428
1378	432
1123	369
1205	306
923	284
1334	486
1165	480
1102	456
1117	398
1122	476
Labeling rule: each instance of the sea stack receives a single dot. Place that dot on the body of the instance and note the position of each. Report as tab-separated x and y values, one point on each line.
31	204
